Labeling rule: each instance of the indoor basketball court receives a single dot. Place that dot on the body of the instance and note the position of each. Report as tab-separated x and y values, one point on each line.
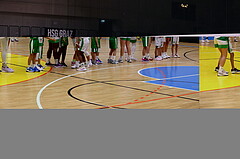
218	92
168	84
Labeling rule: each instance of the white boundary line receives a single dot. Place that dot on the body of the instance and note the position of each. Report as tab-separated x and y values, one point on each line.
174	77
40	92
38	98
165	78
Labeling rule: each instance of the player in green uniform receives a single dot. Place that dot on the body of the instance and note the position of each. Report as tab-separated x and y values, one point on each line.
34	50
40	54
222	43
146	41
113	45
95	45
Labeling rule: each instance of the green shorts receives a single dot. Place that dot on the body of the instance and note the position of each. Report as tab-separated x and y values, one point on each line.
145	41
125	38
113	43
133	41
34	45
95	44
222	42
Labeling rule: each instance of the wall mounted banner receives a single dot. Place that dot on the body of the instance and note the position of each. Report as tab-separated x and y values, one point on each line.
53	32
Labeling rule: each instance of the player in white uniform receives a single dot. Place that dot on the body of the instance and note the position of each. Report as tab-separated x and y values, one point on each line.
159	41
5	41
165	48
84	46
81	48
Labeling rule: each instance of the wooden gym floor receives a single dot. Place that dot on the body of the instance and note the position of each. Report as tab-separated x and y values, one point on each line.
106	86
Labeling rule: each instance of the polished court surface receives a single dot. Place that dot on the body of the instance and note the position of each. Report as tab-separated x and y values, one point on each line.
168	84
218	92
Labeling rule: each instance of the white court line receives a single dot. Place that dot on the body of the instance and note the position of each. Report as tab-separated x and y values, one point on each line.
163	78
38	98
166	78
175	77
40	92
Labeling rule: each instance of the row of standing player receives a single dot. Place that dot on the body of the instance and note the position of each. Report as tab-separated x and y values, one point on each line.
82	60
161	44
58	46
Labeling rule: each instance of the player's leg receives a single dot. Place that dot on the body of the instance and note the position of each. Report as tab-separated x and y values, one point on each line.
84	49
133	50
64	53
94	50
56	55
176	47
166	43
122	48
82	60
148	49
5	42
113	45
128	50
94	56
144	50
97	53
49	53
222	60
34	50
234	70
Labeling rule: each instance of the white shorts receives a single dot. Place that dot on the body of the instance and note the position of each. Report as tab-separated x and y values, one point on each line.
175	40
159	41
84	45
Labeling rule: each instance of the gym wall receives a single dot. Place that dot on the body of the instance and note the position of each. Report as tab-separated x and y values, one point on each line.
118	17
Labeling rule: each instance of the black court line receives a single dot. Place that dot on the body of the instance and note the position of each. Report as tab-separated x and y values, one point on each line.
185	55
103	82
81	100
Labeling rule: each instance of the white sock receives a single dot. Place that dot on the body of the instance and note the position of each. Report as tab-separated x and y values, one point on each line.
220	69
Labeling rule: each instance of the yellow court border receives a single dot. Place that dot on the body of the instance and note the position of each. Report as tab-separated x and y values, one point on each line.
19	64
208	57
